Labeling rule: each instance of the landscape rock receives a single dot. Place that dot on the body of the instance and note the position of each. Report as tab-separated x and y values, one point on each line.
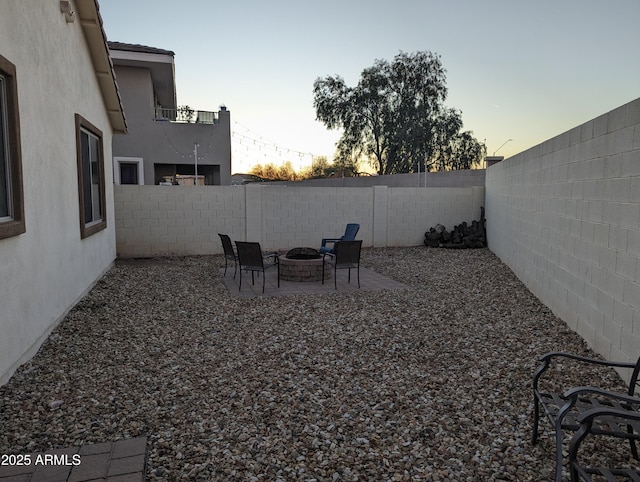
431	383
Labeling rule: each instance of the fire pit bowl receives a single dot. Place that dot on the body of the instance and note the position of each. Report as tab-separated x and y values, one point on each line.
303	253
303	264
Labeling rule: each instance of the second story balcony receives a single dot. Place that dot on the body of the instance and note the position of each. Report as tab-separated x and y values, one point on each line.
186	115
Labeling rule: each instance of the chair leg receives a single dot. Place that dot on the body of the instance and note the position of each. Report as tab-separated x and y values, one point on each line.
349	276
225	268
536	418
263	278
358	276
573	452
240	284
335	277
634	447
559	451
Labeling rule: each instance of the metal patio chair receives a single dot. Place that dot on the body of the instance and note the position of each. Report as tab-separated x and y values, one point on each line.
229	254
350	232
564	410
345	255
251	258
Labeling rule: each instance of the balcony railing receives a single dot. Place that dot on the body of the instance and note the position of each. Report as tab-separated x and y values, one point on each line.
186	117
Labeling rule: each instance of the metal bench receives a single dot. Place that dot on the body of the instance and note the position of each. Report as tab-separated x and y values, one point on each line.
565	409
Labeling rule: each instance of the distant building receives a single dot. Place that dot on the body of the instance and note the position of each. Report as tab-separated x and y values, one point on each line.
163	138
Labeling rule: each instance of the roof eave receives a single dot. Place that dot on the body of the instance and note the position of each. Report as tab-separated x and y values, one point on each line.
91	23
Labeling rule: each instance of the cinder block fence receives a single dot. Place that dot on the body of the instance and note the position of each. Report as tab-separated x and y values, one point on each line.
174	220
565	216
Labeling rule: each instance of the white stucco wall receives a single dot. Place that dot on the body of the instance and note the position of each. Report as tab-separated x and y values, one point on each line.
45	270
565	216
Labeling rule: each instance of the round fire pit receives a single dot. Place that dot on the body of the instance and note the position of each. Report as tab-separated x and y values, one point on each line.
303	264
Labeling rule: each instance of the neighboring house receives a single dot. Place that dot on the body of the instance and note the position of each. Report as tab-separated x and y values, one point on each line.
163	139
59	107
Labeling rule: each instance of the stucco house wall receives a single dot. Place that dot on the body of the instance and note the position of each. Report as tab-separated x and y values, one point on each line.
138	94
138	97
45	270
141	72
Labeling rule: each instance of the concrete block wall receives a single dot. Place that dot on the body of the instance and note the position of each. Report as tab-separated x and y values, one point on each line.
413	211
565	216
160	220
297	216
171	220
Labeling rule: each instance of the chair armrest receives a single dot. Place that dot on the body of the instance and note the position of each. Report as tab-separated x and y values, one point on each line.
577	391
548	357
572	395
561	354
594	413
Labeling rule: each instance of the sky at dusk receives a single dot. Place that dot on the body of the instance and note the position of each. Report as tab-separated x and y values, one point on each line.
517	70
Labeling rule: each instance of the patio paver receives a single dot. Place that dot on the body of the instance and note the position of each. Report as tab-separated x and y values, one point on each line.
121	461
369	281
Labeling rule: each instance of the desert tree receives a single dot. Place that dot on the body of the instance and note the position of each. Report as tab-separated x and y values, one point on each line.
394	117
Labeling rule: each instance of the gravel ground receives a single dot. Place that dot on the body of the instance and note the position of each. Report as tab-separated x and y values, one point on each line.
428	383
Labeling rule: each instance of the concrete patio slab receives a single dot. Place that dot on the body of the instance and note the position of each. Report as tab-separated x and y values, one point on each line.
369	281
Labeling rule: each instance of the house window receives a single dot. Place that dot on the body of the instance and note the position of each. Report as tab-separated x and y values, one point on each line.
91	186
128	170
11	196
128	173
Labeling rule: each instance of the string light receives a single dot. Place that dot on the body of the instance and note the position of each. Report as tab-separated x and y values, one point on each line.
250	148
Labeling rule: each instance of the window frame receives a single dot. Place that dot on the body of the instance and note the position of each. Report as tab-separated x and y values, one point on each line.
14	224
118	161
92	227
